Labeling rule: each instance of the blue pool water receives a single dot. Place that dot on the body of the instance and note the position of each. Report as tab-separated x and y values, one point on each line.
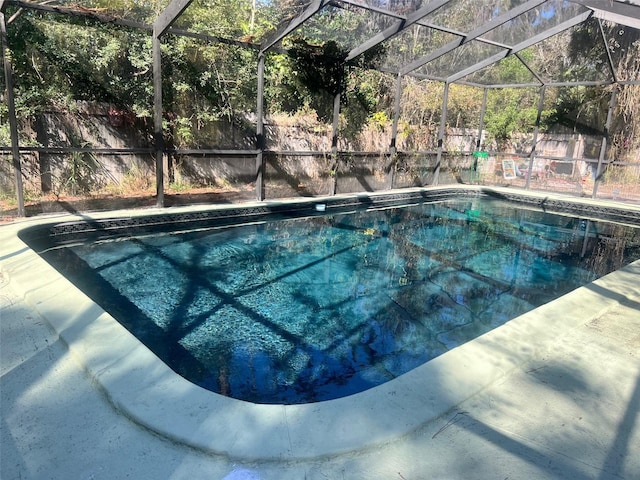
310	309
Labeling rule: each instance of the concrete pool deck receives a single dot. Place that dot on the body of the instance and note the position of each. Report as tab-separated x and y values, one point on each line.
553	394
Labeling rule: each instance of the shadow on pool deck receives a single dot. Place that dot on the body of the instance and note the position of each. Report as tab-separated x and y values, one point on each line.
561	416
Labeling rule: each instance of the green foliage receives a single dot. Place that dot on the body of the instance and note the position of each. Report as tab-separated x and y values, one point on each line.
463	106
79	175
281	91
204	83
509	70
319	67
60	59
5	135
322	72
583	109
380	120
510	111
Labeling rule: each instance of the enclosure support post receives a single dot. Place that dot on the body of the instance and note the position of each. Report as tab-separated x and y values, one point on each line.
13	122
260	141
157	118
483	110
603	147
532	154
334	142
393	149
443	122
162	23
475	173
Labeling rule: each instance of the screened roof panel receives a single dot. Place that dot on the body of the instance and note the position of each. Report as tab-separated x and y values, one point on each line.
414	43
534	21
398	7
467	15
459	59
620	39
345	24
583	59
287	9
140	12
444	39
214	18
508	71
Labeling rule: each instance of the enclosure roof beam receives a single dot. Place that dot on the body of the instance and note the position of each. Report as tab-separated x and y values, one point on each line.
396	28
496	22
313	8
372	8
211	38
594	83
169	15
521	46
507	85
424	76
625	13
74	11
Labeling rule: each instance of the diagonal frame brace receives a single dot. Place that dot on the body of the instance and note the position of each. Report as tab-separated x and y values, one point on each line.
169	15
296	22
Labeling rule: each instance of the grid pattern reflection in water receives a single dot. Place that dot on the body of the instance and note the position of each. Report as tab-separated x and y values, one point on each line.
311	309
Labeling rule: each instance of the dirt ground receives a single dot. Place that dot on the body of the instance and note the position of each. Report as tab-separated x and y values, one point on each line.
147	199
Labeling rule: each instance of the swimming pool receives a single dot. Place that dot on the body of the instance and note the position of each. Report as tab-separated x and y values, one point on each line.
296	308
144	389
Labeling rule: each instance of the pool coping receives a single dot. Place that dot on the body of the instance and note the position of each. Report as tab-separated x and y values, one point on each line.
143	388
